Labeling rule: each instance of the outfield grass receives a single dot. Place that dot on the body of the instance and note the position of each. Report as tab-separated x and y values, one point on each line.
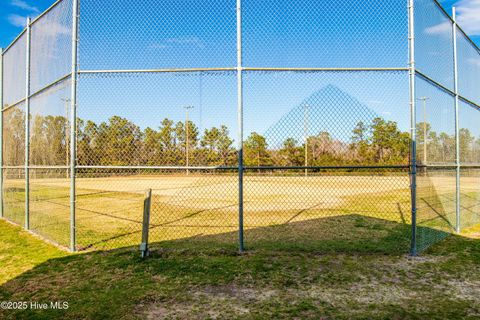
199	279
109	207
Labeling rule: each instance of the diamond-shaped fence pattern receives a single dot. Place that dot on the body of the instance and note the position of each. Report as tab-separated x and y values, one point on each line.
50	126
51	46
434	42
149	127
436	202
358	207
157	34
50	204
14	195
470	157
338	116
185	205
325	119
435	124
468	68
14	135
14	71
308	33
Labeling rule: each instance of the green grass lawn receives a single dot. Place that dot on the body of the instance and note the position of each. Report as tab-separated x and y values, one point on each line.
200	278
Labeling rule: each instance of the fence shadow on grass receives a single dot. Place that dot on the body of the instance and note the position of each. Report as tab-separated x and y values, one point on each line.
202	257
355	234
347	233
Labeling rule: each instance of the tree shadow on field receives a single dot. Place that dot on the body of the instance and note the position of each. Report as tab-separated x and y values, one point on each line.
121	278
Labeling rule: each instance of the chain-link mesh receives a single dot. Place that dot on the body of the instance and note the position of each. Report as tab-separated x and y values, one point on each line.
148	128
49	52
469	117
112	199
338	33
184	205
116	129
345	118
14	72
326	153
14	135
50	204
434	42
469	134
14	195
436	202
435	126
357	208
51	46
468	68
155	35
436	148
325	119
200	206
50	126
469	197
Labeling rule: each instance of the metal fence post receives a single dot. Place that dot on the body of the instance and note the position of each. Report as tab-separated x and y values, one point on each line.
147	206
1	132
73	124
457	127
413	121
27	130
240	124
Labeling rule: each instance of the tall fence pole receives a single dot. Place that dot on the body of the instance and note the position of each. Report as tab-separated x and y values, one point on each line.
240	124
73	124
413	121
1	132
457	127
27	130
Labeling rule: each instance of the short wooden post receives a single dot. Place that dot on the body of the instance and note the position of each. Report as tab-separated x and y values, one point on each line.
147	204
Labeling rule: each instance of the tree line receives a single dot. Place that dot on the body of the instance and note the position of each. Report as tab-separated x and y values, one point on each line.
440	147
120	142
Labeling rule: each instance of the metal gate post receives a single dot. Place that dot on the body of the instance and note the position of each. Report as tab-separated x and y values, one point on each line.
27	130
73	124
413	121
240	124
457	128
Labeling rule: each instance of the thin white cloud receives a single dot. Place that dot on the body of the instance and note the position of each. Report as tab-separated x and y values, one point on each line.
475	62
54	29
187	41
468	16
442	28
170	43
24	5
17	20
158	46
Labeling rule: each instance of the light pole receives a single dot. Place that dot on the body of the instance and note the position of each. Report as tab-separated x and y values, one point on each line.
424	99
187	108
67	129
305	129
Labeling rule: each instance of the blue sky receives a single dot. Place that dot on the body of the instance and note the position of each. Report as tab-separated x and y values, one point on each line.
198	33
14	12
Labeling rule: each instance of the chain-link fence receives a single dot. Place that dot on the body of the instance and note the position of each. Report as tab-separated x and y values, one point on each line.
278	124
